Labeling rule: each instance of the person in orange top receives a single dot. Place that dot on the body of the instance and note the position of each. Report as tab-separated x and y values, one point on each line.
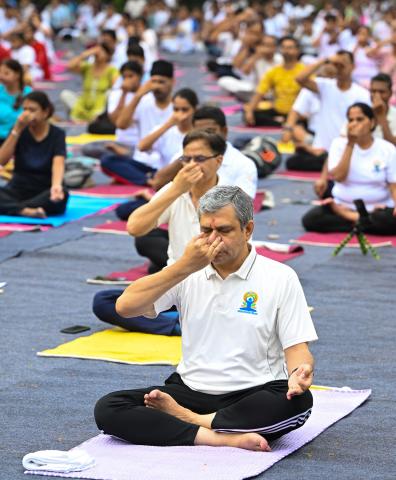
281	80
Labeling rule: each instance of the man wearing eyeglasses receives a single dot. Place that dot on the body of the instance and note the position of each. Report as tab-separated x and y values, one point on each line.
176	205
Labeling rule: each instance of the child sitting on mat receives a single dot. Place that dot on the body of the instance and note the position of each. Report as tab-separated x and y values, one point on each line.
39	152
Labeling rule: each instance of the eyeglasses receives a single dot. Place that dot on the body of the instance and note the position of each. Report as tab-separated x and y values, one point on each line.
196	158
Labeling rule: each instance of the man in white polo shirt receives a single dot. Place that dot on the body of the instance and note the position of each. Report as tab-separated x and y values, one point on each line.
176	205
246	368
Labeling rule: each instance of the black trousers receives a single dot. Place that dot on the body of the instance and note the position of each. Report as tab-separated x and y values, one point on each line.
306	162
154	246
324	220
263	409
13	200
265	118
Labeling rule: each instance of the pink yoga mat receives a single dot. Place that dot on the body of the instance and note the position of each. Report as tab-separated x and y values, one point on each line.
44	86
262	130
61	78
231	109
4	233
119	460
18	227
278	256
333	239
297	175
221	98
117	227
103	191
211	88
131	274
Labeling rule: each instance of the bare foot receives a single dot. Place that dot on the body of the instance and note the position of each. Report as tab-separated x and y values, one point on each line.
164	402
33	212
247	441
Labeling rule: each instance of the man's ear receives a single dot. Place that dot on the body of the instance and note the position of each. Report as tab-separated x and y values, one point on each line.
249	229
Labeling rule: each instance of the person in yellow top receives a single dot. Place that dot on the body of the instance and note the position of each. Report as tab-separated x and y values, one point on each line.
281	81
98	79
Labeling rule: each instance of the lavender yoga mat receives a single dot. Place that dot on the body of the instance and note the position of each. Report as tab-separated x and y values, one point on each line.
118	460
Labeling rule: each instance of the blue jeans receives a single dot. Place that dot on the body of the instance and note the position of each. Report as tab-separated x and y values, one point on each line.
167	323
126	170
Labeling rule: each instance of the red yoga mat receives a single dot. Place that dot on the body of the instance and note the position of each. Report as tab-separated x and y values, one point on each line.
297	175
333	239
4	233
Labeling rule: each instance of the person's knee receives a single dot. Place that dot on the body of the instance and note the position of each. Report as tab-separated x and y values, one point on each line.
104	413
310	220
106	161
103	304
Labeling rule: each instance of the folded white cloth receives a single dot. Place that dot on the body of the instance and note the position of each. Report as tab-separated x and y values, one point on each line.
74	460
277	247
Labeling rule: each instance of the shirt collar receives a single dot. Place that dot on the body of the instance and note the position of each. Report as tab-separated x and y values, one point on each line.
243	271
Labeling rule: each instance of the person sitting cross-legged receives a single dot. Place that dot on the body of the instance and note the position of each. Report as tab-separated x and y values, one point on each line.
39	150
363	167
246	368
176	205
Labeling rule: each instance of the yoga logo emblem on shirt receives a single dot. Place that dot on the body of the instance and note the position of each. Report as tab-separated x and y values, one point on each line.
249	303
378	165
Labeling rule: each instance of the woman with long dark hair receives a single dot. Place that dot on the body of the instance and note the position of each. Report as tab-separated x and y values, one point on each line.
12	90
39	151
363	167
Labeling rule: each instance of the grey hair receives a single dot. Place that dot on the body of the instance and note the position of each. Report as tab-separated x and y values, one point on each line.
221	196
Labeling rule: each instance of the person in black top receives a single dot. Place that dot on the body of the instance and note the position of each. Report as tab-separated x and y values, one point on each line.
39	151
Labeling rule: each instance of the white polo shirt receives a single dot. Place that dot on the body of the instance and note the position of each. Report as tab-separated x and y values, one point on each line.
183	223
234	331
239	170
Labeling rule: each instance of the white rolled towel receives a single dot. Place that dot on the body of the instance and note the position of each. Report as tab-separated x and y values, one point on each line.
74	460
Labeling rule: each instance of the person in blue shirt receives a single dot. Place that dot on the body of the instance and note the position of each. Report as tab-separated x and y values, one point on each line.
39	151
12	91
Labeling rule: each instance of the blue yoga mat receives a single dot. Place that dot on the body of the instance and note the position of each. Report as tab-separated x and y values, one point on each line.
78	206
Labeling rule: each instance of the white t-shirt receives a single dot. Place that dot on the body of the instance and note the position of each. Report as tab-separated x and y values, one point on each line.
365	67
128	135
307	104
239	170
334	106
234	331
169	144
147	117
369	173
327	49
27	56
391	117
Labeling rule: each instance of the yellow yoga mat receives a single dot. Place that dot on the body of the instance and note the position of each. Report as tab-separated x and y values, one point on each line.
286	147
88	138
116	345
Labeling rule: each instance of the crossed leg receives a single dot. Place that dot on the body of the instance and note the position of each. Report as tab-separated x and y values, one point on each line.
205	435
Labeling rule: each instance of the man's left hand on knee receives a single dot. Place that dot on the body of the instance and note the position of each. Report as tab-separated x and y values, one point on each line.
300	380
